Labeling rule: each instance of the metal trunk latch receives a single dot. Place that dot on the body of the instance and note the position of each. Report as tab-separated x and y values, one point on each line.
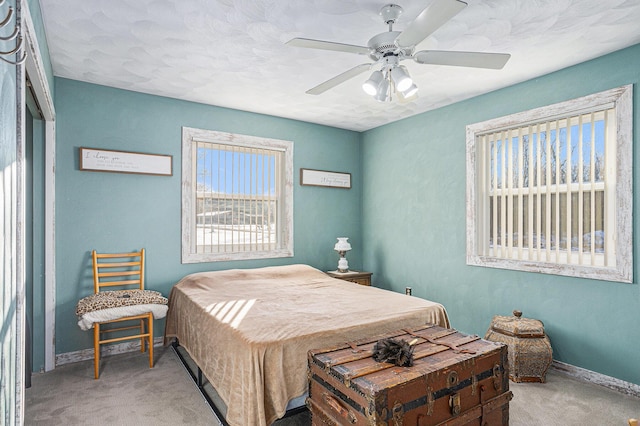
398	413
454	403
497	377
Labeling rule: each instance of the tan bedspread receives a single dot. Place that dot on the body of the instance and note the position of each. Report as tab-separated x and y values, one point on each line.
250	330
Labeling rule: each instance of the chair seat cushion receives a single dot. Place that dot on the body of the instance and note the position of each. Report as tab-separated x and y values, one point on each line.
87	320
111	305
114	299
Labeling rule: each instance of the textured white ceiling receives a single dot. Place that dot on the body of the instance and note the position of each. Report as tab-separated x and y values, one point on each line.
231	53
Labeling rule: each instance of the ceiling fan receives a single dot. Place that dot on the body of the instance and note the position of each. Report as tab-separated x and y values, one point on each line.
387	50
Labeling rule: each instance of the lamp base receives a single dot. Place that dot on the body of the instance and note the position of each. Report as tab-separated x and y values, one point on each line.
343	265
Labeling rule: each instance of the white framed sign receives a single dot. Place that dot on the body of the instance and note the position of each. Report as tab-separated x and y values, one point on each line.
104	160
323	178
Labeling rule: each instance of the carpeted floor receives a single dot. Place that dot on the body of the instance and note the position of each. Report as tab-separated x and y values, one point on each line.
130	393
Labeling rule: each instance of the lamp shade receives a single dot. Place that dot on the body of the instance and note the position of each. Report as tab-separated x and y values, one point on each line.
371	86
412	90
383	88
401	79
342	244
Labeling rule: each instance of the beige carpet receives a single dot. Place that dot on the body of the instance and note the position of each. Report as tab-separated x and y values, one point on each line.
130	393
127	393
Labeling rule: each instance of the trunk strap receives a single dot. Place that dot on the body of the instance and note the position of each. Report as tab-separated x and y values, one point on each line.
451	346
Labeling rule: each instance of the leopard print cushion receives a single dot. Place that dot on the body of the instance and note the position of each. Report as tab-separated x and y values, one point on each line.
114	299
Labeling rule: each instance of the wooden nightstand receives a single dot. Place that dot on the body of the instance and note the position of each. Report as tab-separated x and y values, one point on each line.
362	278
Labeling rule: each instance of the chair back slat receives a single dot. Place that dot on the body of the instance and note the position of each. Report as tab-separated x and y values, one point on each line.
120	264
118	273
116	255
118	283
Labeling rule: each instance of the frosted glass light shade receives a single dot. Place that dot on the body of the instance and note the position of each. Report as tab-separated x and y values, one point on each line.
401	79
370	86
342	244
412	90
381	96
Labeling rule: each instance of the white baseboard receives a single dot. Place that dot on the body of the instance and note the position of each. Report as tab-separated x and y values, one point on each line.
577	373
107	350
589	376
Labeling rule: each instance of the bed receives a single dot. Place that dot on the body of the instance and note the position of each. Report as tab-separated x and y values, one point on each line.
249	330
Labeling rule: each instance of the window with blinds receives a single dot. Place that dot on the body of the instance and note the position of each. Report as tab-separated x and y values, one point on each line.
236	197
550	189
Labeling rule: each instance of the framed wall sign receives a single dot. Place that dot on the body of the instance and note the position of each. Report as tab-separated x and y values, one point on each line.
104	160
323	178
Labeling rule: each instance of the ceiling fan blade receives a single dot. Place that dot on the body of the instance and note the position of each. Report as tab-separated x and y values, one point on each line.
340	78
328	45
494	61
429	20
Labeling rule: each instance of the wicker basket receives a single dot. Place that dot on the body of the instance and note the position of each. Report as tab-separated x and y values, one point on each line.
530	352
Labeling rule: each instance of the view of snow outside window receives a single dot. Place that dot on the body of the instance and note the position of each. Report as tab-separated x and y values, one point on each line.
547	185
236	198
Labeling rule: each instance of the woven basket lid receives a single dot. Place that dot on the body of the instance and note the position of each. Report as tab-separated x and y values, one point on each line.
517	326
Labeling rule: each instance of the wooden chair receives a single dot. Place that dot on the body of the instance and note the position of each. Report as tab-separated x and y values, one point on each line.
125	273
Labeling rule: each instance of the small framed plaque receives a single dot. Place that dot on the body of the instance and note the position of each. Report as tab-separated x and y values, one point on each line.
104	160
312	177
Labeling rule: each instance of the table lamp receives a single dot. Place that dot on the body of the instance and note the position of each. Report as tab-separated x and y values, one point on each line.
342	247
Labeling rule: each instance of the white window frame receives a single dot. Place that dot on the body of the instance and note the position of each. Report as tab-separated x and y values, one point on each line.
284	246
618	195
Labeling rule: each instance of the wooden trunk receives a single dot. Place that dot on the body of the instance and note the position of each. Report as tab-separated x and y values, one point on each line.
456	379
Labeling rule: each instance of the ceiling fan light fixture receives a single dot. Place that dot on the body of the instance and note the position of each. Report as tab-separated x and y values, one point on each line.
381	97
401	79
371	86
412	90
383	89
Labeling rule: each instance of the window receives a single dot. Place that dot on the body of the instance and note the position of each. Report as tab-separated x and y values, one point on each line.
549	190
237	197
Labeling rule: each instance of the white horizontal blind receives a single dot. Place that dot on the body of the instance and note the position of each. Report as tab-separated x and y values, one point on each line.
236	195
545	190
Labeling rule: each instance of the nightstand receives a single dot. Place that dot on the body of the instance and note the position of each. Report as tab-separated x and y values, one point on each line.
362	278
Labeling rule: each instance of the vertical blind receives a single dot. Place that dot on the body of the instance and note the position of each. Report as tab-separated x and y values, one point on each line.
545	193
236	194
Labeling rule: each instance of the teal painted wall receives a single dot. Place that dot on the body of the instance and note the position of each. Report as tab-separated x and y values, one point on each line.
415	231
115	212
